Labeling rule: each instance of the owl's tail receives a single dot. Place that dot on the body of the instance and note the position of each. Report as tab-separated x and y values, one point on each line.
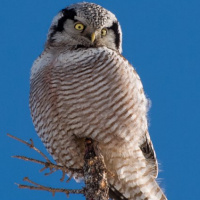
148	191
134	180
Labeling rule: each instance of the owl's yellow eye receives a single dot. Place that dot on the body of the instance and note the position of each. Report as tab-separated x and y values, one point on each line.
79	26
103	32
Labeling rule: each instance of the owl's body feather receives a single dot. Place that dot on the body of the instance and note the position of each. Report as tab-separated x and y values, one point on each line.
93	92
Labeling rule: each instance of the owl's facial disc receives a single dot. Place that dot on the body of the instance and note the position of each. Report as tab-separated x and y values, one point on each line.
83	27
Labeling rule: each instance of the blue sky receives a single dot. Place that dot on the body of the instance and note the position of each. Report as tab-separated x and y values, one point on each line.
161	38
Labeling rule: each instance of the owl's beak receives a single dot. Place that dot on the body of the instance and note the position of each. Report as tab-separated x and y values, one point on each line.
93	37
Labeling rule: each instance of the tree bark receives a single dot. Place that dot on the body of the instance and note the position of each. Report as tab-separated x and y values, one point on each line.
95	173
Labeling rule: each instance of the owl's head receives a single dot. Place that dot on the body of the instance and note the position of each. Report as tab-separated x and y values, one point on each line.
85	25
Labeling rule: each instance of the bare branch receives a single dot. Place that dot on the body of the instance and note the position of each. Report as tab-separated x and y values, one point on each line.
50	165
31	145
94	172
37	186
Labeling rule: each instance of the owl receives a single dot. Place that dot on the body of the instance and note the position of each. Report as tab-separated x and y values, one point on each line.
82	87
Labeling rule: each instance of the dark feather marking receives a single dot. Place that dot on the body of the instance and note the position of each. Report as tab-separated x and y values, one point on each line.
67	14
115	28
115	195
148	150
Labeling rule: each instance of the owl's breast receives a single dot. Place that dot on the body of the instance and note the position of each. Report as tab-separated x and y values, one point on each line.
92	93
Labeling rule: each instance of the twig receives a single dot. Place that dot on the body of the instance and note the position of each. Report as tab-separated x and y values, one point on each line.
48	164
31	145
94	172
49	189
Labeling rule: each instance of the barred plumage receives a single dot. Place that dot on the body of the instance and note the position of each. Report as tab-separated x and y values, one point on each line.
81	90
